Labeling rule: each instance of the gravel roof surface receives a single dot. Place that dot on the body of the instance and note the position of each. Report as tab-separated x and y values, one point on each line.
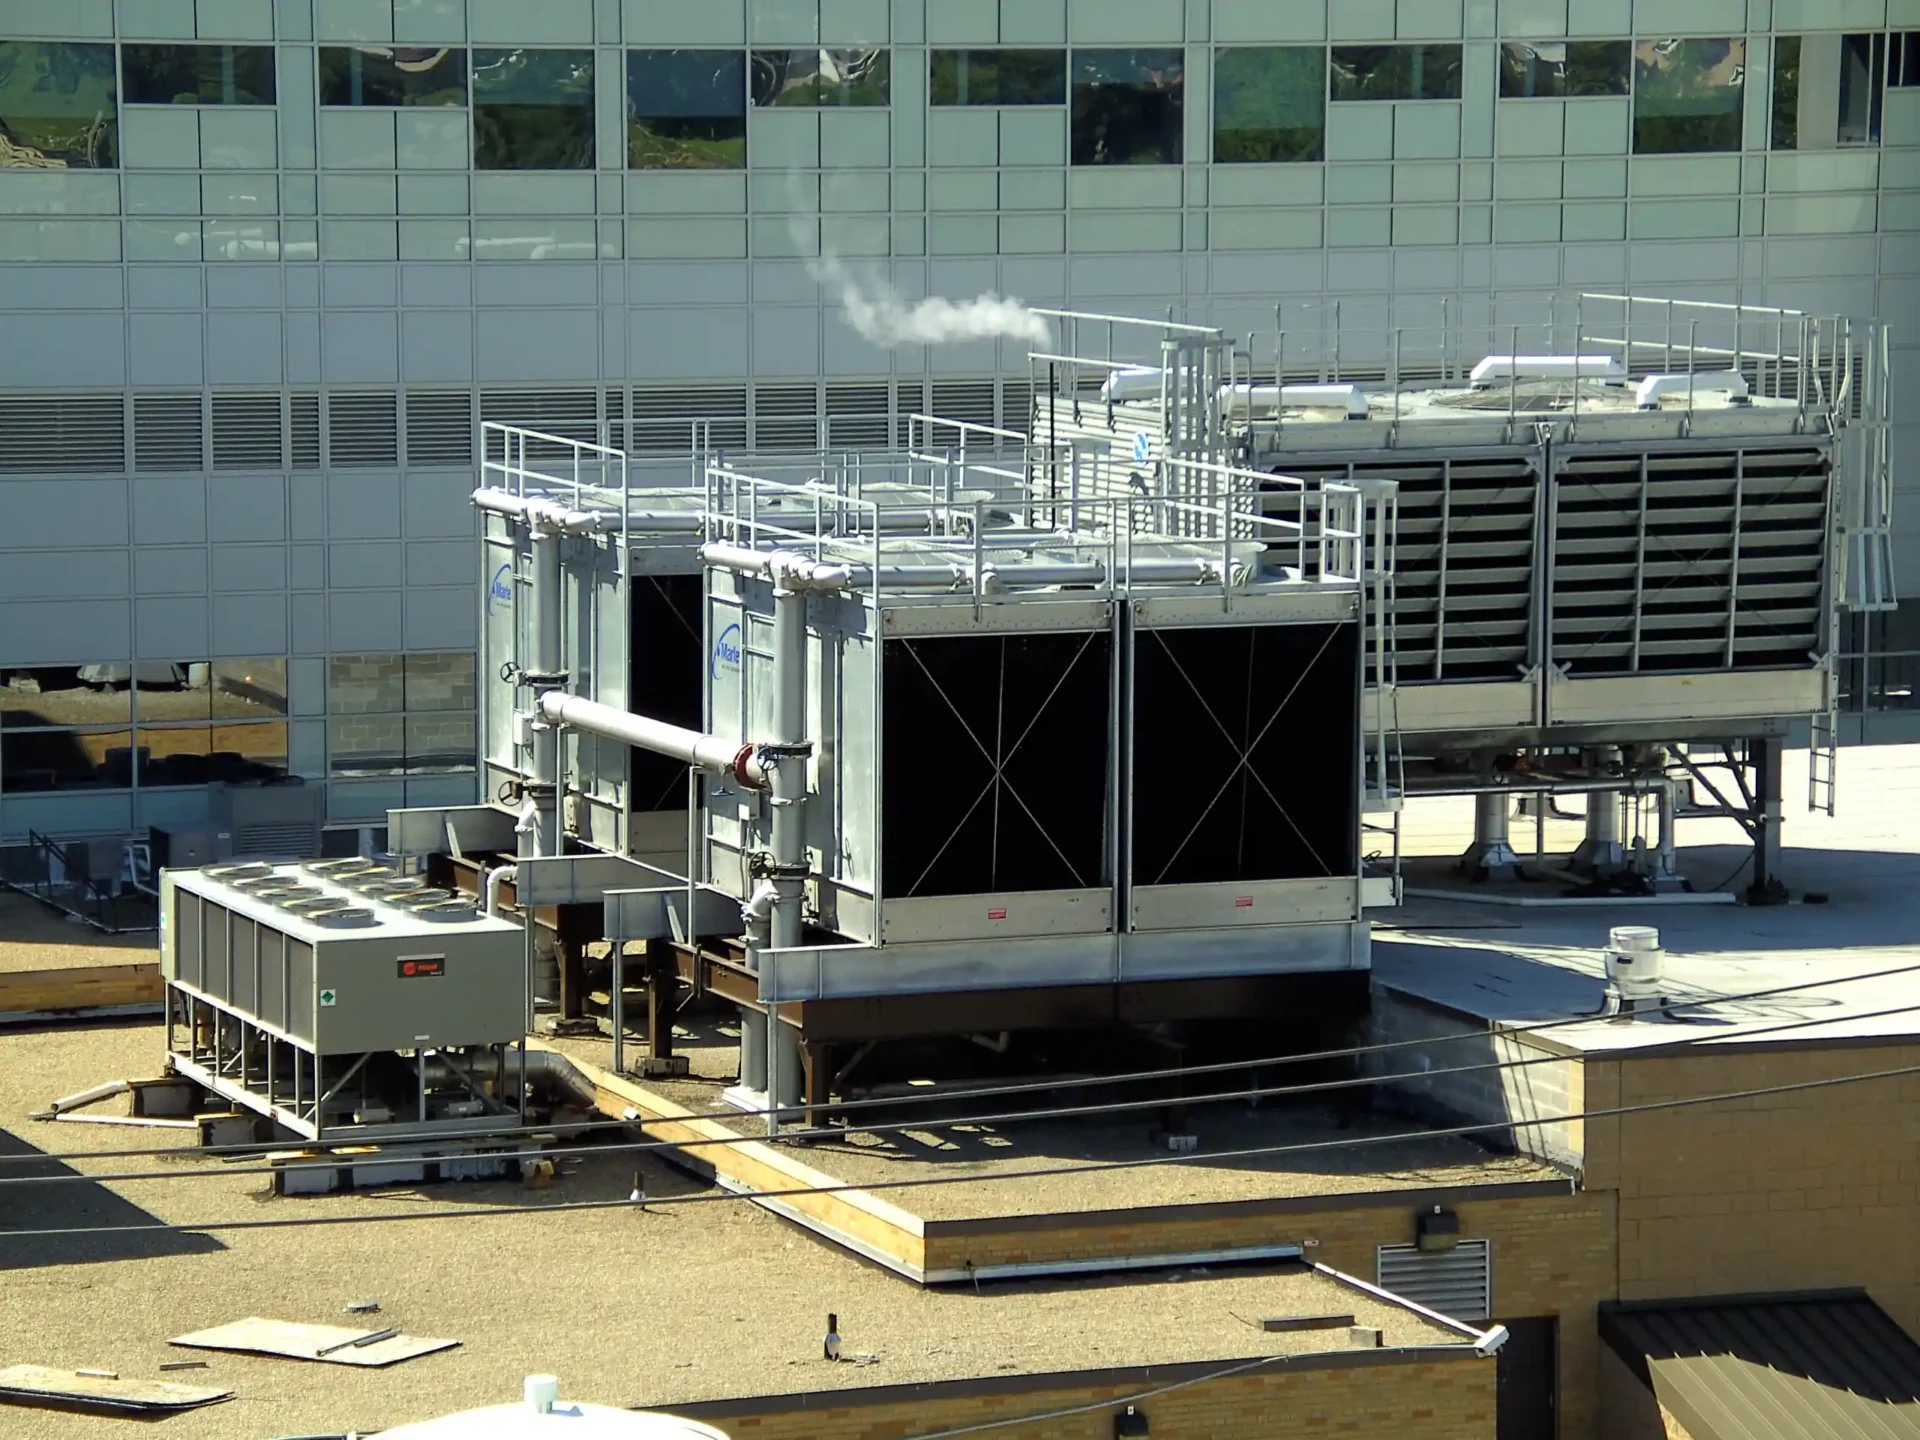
977	1152
34	937
673	1305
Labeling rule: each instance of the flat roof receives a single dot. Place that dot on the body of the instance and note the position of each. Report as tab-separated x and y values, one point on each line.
247	888
1522	966
659	1308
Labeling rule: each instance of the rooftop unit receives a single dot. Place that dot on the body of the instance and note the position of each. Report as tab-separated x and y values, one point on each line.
322	994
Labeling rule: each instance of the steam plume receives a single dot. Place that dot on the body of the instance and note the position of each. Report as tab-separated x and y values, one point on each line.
884	316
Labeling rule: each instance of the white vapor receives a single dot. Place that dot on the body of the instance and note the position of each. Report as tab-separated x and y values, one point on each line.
884	316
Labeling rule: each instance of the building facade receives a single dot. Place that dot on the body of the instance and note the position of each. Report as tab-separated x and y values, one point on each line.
265	266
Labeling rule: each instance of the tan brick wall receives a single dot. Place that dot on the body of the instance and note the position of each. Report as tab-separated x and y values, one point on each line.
1442	1400
1809	1190
1552	1255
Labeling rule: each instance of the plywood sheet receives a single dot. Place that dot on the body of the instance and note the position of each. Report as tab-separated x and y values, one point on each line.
305	1342
43	1385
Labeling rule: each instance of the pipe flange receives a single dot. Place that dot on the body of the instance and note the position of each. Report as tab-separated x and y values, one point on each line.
784	750
544	679
797	870
742	767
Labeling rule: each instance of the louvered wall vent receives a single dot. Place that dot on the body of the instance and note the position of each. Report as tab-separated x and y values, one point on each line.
1457	1282
303	413
439	427
41	434
167	433
786	417
246	433
672	420
363	429
570	414
857	416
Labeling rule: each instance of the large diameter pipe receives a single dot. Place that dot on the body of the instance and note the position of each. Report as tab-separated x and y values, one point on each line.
535	511
787	567
547	650
690	747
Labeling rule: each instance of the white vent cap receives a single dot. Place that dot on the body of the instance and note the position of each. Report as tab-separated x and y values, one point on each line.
542	1393
1708	382
1548	367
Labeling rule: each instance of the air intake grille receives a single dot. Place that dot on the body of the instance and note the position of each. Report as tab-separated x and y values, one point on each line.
363	429
439	427
274	840
71	434
857	415
304	412
969	400
666	421
786	417
246	433
167	432
570	414
1457	1282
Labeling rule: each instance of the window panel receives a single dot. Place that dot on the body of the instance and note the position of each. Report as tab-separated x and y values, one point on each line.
248	752
1903	59
440	744
58	106
821	77
1127	106
998	77
1396	72
40	760
364	745
1863	68
1687	95
1269	104
66	696
440	682
365	684
686	109
198	74
392	75
533	110
249	689
1786	92
1558	69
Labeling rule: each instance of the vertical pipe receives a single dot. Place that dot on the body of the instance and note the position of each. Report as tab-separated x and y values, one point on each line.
544	837
788	838
618	945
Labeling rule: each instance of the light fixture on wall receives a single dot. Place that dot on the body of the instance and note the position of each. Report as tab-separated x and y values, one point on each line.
1130	1422
1436	1229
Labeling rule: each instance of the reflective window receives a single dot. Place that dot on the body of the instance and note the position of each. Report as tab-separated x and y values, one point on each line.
401	714
1688	95
1863	73
998	77
1560	68
533	109
686	109
1269	104
57	106
198	74
1396	72
192	722
821	77
392	75
1903	60
1127	106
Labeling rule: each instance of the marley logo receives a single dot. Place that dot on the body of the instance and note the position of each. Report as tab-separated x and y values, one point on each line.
499	590
726	651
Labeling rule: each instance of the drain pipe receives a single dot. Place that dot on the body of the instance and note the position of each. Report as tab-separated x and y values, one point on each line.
787	756
492	881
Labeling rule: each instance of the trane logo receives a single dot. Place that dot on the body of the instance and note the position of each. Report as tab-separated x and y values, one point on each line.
726	650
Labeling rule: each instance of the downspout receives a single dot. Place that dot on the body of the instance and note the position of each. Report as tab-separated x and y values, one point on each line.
491	882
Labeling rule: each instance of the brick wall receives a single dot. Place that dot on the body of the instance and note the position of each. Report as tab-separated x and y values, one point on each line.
1547	1087
1441	1399
1553	1254
1810	1190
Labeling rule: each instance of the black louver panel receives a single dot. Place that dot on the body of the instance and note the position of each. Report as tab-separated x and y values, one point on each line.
665	660
995	763
1244	757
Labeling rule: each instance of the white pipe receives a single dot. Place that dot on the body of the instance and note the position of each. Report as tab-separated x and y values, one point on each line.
1548	367
1247	400
689	747
1727	382
494	879
546	513
1141	382
795	571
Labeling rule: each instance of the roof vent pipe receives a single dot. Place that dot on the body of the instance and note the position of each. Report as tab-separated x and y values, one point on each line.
1501	368
1730	383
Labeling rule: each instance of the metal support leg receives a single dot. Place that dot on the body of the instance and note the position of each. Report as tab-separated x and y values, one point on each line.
1601	853
1490	850
784	1067
1766	889
753	1051
619	1003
